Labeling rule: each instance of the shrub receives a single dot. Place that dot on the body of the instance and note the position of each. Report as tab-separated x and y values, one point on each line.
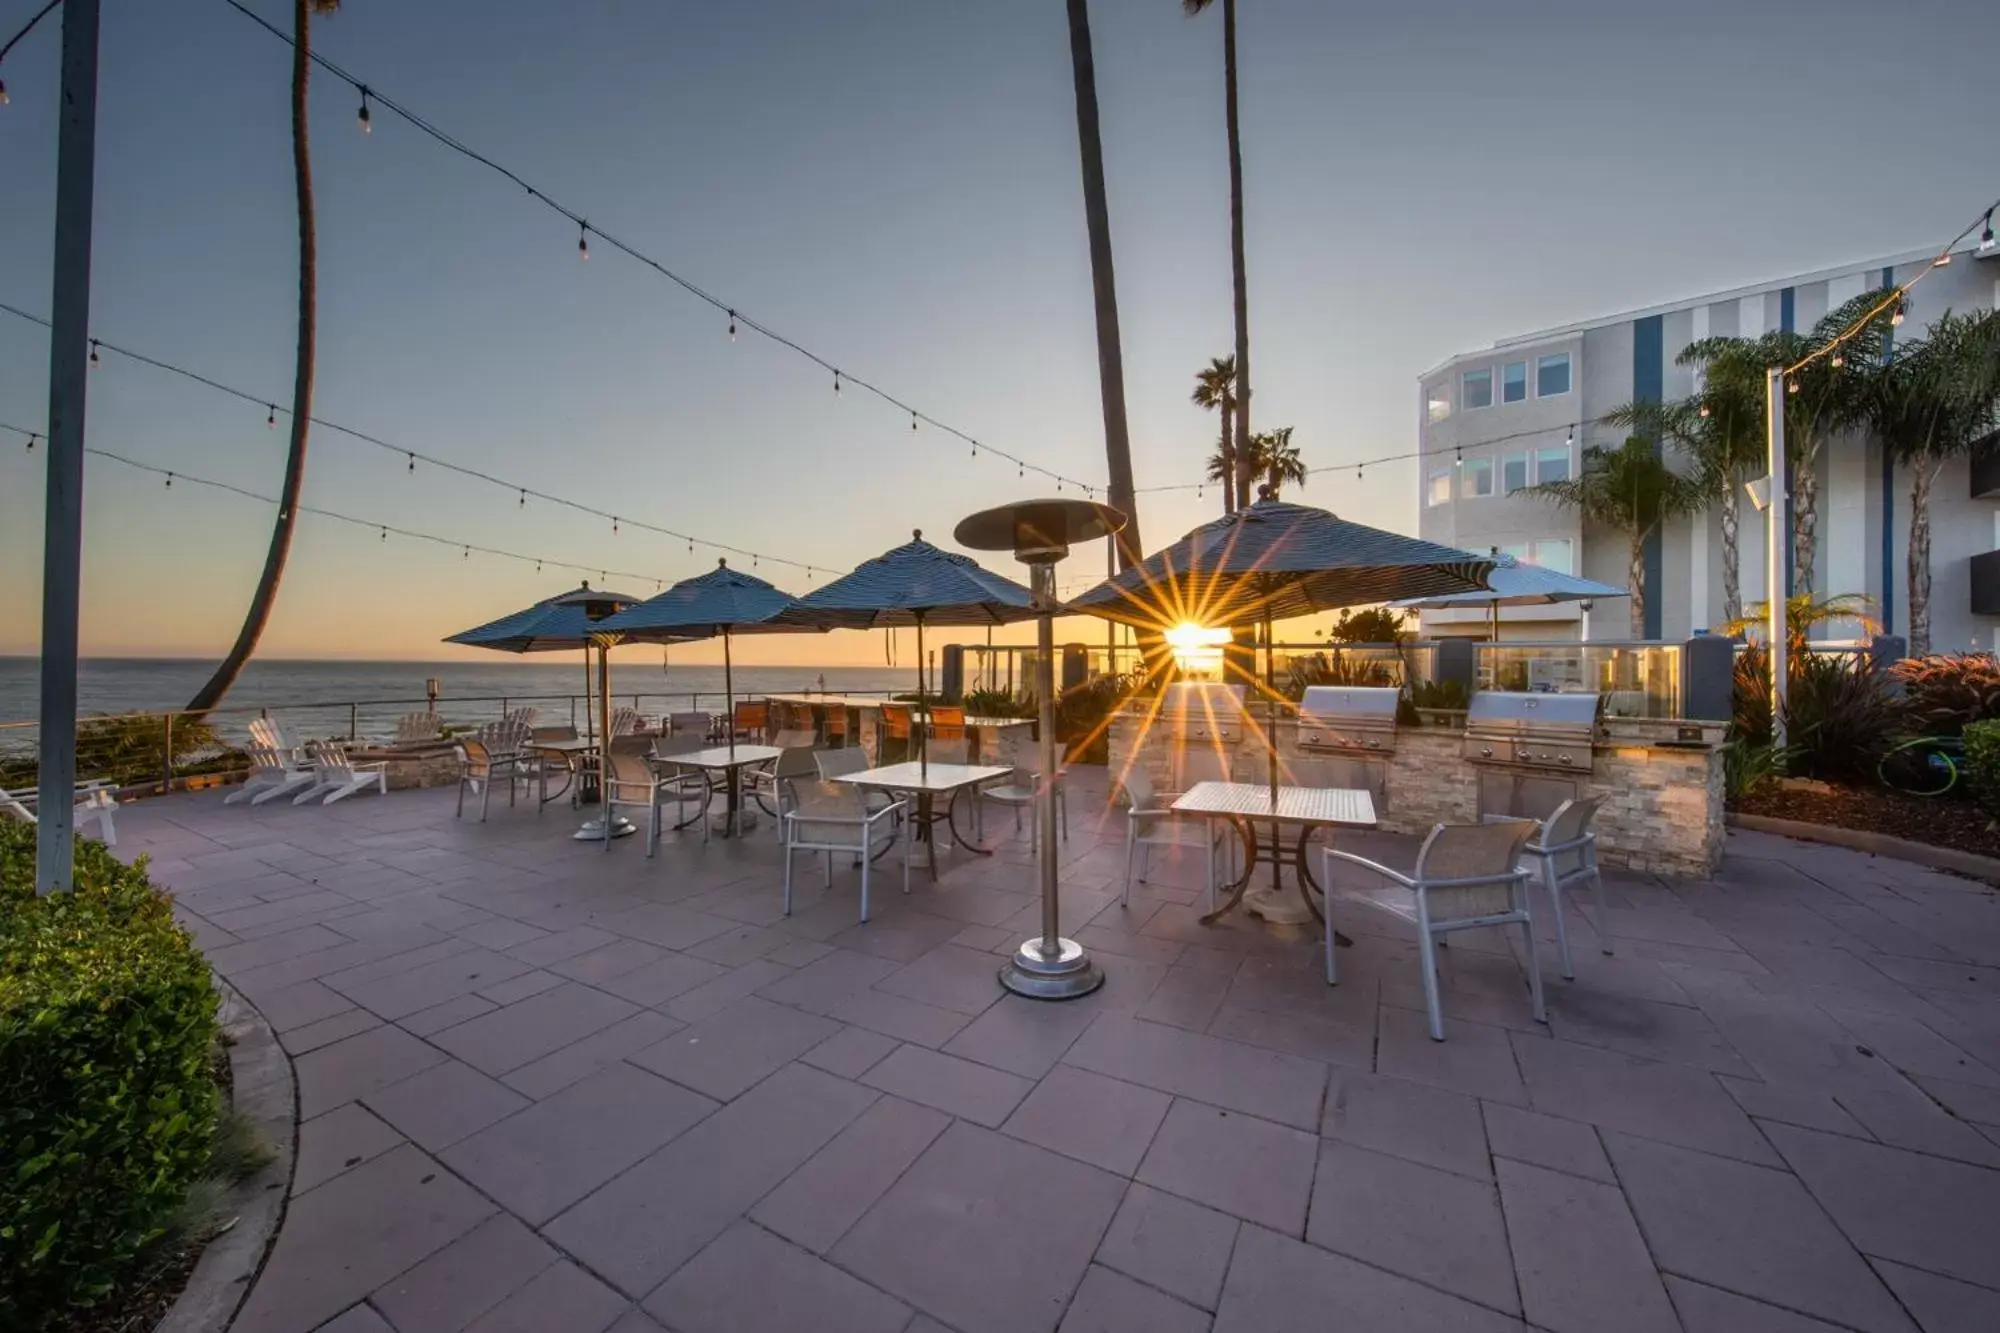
1750	703
107	1026
1747	767
1982	764
995	703
1944	692
1840	718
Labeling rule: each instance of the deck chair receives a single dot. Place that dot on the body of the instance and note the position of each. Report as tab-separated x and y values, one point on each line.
832	817
768	784
683	784
692	724
273	773
1563	854
892	734
418	728
1018	793
94	802
277	734
340	777
624	722
751	720
1150	822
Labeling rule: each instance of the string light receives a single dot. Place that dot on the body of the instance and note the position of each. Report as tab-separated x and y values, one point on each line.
1837	361
170	481
836	384
271	417
1570	438
583	240
732	326
1704	411
1986	236
361	116
93	352
524	498
614	525
1458	457
413	462
385	537
31	442
913	423
1896	317
1792	385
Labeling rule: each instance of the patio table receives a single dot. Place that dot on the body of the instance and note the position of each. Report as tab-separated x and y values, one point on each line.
928	782
730	761
1249	803
580	756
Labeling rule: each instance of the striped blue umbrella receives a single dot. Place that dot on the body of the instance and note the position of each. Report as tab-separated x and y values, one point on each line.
1516	583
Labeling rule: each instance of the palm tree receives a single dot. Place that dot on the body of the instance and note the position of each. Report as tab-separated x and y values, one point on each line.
1802	612
266	594
1273	454
1236	263
1929	403
1829	397
1215	388
1631	488
1097	220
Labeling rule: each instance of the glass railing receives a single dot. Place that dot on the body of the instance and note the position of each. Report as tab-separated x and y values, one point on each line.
1635	679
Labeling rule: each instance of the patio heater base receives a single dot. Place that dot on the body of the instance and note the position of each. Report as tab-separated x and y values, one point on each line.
1039	975
593	830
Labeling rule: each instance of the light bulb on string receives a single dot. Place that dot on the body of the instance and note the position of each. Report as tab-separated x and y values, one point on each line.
523	504
690	546
913	423
1570	437
1941	260
271	417
836	384
732	326
93	353
1896	317
361	116
583	240
31	442
1791	386
1704	411
413	462
385	534
1986	236
1458	458
975	448
1838	361
170	481
467	554
614	525
1021	471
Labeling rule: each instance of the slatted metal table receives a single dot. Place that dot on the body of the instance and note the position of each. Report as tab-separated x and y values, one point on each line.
927	782
1309	809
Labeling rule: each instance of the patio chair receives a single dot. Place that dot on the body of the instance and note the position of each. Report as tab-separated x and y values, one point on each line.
838	763
695	724
771	785
1563	853
624	722
272	773
1018	793
277	734
94	802
752	720
339	776
418	728
892	734
682	783
832	817
1152	822
481	767
834	730
945	739
1467	876
631	782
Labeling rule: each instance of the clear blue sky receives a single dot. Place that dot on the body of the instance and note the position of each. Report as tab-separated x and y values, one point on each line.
896	185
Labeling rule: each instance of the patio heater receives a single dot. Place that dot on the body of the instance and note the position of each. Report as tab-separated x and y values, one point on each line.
1040	533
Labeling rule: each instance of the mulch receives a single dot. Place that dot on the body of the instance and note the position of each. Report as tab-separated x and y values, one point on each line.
1939	821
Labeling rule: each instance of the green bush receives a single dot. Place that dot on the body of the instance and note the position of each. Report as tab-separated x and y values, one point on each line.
1982	764
107	1027
1840	718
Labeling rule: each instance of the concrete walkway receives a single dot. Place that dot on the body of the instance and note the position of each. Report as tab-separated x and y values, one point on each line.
547	1087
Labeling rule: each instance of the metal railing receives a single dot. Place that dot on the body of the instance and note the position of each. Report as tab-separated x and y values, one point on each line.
1636	679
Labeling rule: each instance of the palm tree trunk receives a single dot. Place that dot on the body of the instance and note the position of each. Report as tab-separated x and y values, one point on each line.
1237	266
1732	584
1921	476
1228	458
1805	527
1097	219
1635	582
302	381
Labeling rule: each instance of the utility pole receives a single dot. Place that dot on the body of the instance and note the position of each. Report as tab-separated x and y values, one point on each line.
69	371
1776	522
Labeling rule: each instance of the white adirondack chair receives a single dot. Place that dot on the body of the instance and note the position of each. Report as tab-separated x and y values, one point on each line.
417	728
273	773
340	777
94	801
277	734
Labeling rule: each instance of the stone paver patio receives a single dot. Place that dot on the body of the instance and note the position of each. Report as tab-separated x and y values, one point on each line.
547	1087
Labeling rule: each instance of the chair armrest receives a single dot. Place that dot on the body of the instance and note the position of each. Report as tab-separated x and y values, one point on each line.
1470	882
1335	854
1557	848
894	808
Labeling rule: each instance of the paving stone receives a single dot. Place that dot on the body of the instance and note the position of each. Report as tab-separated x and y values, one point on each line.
668	925
1942	1304
1705	1309
712	997
1177	1246
850	1052
608	962
655	1217
558	1069
296	1006
725	1055
1582	1263
560	1296
989	1233
654	984
902	936
1409	1120
507	1038
1020	1035
957	1087
562	944
441	1016
466	1278
338	1141
1967	1101
822	1199
1443	1229
1110	1302
1187	997
1092	1118
950	977
500	934
1312	1037
443	1104
636	1321
357	1066
1922	1211
1276	1087
405	991
1792	1104
1750	1230
1668	1102
521	987
327	1031
1280	1285
1249	1168
905	1019
1674	1033
800	953
1473	1058
1544	1140
354	1233
740	945
540	1160
1907	1117
820	985
749	1279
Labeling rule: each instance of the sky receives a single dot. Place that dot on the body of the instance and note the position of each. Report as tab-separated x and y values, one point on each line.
894	185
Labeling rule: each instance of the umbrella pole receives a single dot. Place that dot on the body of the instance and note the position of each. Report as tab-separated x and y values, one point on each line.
728	693
919	718
1495	605
1271	745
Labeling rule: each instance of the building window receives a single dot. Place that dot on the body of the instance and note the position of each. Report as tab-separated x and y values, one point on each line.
1552	375
1552	553
1437	401
1478	391
1513	473
1552	464
1478	473
1514	382
1438	490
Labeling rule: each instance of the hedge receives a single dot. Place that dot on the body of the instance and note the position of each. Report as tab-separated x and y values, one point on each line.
1982	764
107	1030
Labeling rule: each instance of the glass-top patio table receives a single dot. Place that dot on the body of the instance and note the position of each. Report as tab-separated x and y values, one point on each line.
1249	804
730	761
927	782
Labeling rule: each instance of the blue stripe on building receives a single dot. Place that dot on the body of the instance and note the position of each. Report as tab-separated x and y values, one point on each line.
1649	373
1787	319
1889	501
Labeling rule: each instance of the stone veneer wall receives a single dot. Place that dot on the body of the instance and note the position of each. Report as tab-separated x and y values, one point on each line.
1661	811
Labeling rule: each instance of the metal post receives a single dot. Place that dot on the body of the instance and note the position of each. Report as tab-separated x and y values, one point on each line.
166	754
69	371
1776	525
353	722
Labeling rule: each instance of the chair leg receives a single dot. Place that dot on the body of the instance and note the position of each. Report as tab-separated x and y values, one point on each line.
866	862
1427	950
788	879
1603	922
1125	898
1541	1009
1332	967
485	797
1553	883
461	798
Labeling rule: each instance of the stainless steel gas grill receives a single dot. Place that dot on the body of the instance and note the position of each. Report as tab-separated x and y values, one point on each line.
1533	751
1204	723
1348	733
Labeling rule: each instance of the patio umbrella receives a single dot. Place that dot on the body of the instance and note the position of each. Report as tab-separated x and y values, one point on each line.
1273	561
569	620
722	602
915	584
1515	583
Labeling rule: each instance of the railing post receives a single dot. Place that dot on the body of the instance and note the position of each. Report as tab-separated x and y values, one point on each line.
167	754
1708	678
353	722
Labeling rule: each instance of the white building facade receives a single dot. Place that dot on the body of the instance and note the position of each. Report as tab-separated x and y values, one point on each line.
1494	421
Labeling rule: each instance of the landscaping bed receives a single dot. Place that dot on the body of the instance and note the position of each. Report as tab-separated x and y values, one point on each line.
1938	821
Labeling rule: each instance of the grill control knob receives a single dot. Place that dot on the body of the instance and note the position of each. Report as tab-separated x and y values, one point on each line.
1374	745
1486	752
1563	759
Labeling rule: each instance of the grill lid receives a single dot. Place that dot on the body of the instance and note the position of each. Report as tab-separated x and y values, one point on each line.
1514	710
1203	700
1350	705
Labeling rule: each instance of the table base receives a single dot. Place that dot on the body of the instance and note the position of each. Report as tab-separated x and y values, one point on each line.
593	830
1041	974
1297	857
